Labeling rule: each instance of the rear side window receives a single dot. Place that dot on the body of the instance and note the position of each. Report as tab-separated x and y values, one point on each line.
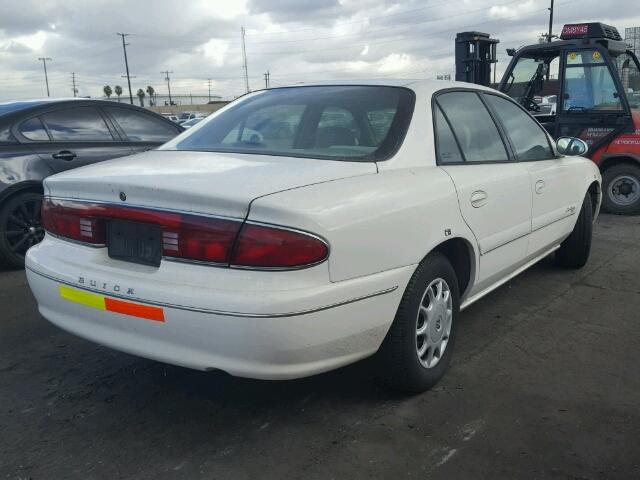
34	130
77	124
526	135
473	127
446	146
141	127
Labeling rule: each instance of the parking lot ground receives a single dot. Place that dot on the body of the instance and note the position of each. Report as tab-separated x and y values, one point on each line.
545	383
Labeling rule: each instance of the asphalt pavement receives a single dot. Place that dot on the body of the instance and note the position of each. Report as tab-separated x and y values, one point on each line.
545	383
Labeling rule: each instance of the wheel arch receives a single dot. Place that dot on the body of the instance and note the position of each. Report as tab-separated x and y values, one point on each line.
608	161
17	188
462	256
595	195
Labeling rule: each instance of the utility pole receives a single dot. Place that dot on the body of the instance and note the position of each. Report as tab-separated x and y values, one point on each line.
73	83
166	73
549	35
46	78
209	82
244	60
126	64
266	79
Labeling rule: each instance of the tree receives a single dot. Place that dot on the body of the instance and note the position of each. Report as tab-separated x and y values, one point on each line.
140	95
118	90
151	92
107	91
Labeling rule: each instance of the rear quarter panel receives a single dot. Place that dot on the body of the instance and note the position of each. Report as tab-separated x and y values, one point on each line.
17	165
373	223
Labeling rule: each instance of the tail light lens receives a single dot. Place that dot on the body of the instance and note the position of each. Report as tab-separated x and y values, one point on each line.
189	237
268	247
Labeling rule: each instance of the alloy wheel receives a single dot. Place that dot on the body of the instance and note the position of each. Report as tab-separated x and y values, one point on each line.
23	227
433	323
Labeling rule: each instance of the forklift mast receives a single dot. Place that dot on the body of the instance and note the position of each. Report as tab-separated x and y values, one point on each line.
475	53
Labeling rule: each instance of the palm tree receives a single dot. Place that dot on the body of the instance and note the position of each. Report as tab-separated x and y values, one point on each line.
151	92
118	90
140	95
107	91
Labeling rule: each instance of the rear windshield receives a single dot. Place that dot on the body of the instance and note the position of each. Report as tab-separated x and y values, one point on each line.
355	123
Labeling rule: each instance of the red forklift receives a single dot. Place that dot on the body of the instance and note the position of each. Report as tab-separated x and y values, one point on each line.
585	85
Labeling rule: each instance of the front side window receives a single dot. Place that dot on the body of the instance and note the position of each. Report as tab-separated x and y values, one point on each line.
77	124
140	127
533	81
473	127
34	130
357	123
527	137
588	84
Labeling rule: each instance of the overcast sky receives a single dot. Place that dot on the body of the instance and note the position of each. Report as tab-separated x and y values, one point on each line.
297	41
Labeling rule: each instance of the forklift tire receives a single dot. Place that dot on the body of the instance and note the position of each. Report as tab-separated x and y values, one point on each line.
621	189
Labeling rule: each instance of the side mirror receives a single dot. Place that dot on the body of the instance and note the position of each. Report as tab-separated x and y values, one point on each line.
571	146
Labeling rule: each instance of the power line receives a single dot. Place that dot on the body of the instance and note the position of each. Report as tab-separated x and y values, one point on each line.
126	64
46	78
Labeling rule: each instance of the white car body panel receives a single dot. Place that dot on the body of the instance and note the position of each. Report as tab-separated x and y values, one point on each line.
380	220
199	182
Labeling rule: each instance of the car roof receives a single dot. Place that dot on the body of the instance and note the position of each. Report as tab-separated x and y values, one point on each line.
7	108
425	86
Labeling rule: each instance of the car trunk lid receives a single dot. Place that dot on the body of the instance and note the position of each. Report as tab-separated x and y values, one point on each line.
199	182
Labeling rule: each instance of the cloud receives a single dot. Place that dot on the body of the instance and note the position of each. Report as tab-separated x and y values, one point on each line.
296	41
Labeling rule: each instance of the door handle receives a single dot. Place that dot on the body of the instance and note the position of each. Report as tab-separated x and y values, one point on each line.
64	155
479	198
540	186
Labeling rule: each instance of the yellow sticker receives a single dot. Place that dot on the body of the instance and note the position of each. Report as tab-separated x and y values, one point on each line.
596	55
573	55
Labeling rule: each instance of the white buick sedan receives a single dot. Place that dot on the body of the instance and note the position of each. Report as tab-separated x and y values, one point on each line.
301	229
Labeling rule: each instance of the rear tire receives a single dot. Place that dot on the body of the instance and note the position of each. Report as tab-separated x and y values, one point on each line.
576	248
20	227
412	361
621	189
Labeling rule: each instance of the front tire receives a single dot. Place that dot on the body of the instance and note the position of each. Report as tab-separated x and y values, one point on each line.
621	189
418	347
20	227
576	248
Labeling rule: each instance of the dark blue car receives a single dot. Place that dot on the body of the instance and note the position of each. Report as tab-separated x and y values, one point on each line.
41	137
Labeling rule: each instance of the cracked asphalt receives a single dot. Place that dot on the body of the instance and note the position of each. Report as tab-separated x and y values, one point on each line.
545	383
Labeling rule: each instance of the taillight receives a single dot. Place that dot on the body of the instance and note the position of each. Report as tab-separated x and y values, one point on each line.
189	237
263	246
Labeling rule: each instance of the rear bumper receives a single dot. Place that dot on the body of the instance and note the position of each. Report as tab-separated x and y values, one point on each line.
269	325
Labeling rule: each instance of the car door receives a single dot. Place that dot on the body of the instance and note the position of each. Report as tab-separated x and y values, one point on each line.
143	131
552	176
71	137
592	104
494	191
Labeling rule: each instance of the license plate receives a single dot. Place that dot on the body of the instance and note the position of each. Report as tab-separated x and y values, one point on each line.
135	242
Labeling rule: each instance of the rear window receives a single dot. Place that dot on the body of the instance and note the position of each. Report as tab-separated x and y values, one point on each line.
357	123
